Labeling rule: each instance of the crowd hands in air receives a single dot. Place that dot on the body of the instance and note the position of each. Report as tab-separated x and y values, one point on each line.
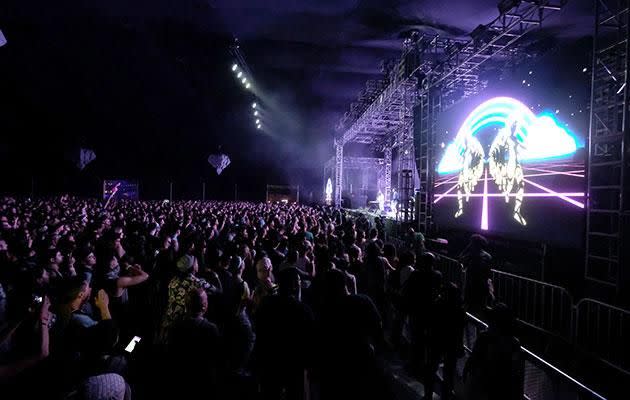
232	300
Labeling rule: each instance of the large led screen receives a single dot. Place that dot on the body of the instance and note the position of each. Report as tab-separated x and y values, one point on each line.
505	169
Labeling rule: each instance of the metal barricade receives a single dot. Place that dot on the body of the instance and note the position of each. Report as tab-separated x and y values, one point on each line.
541	305
542	380
600	330
452	270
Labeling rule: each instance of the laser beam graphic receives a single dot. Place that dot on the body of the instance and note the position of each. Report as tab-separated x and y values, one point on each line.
446	194
559	195
546	195
568	173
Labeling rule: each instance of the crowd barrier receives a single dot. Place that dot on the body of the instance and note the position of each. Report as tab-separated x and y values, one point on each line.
600	330
452	270
541	305
592	326
541	379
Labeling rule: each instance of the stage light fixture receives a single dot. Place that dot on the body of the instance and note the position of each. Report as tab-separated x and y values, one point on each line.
234	67
244	80
584	69
256	113
257	126
239	74
247	86
257	122
253	105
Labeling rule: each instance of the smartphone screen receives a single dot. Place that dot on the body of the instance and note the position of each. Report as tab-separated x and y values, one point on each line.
132	344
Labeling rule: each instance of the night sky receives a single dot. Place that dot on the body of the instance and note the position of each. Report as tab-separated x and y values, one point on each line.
148	86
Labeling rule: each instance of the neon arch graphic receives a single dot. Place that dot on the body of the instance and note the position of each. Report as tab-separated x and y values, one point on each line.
541	136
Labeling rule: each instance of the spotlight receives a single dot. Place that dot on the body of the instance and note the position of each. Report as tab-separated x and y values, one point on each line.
247	86
257	122
257	126
557	111
531	72
524	81
234	67
442	145
253	105
584	69
244	80
256	113
239	74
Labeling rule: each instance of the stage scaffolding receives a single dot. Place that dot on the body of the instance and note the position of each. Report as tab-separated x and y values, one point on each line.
608	204
432	74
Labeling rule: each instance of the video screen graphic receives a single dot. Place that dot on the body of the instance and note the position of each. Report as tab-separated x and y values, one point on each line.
118	189
509	170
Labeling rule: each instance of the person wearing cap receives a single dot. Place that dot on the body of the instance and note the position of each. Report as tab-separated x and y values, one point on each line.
179	287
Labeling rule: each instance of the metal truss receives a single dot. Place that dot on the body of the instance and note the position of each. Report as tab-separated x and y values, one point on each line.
338	173
390	111
351	163
458	69
432	67
387	156
608	203
430	107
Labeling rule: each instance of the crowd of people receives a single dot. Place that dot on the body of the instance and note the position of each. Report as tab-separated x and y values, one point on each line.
233	300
